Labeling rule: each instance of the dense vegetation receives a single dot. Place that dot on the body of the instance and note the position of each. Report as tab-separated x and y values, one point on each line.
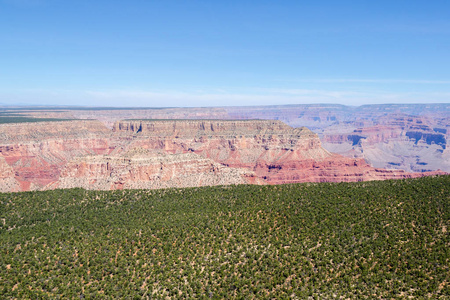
349	240
10	120
11	117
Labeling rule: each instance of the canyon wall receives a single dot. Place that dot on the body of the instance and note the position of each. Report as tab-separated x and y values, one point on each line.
170	153
37	151
410	137
147	172
385	136
276	152
414	144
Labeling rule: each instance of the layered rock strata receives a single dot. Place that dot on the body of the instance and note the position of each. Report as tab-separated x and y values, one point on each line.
415	144
411	137
163	171
38	151
8	183
276	152
170	153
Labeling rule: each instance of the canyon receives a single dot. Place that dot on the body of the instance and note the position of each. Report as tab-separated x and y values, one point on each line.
134	154
410	137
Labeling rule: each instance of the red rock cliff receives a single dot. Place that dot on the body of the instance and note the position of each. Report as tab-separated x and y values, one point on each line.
276	152
37	151
166	153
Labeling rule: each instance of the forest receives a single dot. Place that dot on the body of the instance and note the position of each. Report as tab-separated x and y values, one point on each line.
365	240
7	117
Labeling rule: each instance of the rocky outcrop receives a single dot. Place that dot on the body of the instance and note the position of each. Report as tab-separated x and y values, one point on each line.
411	137
7	181
37	151
231	143
168	153
277	153
146	172
398	141
333	169
193	128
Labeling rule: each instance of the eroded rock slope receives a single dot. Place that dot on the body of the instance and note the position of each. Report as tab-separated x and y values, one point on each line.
410	137
170	153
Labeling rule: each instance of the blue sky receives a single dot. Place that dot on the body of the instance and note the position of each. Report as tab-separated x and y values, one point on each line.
214	53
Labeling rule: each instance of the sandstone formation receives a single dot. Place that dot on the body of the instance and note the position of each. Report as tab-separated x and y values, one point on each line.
276	152
375	133
410	137
415	144
147	172
8	183
37	151
169	153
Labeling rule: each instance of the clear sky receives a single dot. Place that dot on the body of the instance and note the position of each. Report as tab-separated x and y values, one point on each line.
214	53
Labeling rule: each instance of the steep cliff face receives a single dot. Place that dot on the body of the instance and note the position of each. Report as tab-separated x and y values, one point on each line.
427	137
193	128
398	141
232	143
334	169
147	172
37	151
277	153
7	181
158	154
412	137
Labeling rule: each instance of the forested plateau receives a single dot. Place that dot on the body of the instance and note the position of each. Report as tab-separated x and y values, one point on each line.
362	240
